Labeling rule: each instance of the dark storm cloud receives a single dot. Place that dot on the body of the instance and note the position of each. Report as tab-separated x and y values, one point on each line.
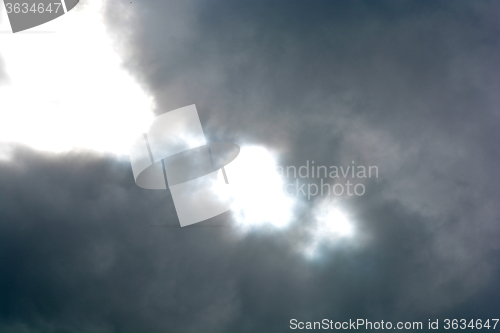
408	86
78	252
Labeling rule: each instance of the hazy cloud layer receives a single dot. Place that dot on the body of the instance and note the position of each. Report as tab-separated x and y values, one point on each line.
408	86
80	251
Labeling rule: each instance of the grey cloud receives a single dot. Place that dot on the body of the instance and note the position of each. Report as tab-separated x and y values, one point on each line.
83	248
408	86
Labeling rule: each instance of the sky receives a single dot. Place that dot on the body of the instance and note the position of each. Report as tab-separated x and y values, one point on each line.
410	87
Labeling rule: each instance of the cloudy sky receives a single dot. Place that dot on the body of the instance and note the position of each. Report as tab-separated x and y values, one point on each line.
411	87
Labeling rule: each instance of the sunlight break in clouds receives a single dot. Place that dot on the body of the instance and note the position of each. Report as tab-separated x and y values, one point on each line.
331	225
259	198
66	87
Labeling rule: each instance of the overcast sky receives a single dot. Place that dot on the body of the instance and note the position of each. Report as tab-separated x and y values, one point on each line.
411	87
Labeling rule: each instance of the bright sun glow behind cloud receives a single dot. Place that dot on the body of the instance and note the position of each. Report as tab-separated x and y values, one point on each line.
330	226
259	198
66	87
